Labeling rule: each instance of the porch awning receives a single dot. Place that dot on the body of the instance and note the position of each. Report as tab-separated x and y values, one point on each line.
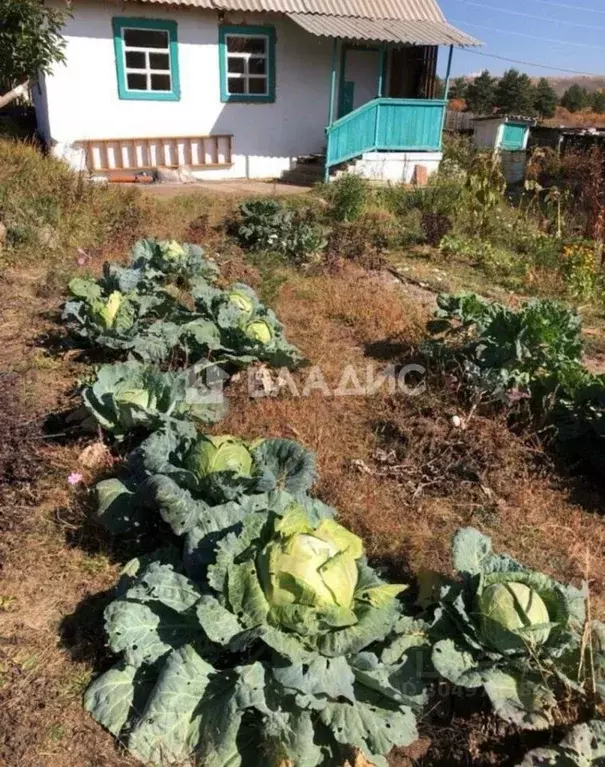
382	30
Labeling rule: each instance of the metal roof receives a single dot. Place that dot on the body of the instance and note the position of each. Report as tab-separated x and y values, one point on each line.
410	10
384	31
415	22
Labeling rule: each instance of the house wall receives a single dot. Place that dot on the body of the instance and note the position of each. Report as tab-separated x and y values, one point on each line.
83	102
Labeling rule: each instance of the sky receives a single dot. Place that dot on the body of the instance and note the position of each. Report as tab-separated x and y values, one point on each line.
557	33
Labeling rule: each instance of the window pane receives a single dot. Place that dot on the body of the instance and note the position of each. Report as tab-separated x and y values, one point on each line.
136	82
146	38
235	65
257	66
257	85
238	44
160	83
135	60
236	85
159	61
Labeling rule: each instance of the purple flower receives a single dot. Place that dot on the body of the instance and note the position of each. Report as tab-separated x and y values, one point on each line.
75	478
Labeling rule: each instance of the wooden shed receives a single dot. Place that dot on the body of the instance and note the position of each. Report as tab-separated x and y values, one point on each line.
508	136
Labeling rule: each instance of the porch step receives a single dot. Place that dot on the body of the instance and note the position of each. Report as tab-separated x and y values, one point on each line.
308	170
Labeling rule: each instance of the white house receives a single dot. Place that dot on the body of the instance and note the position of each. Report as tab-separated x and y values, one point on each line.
244	88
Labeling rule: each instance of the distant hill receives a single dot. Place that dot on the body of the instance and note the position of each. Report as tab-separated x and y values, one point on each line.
561	84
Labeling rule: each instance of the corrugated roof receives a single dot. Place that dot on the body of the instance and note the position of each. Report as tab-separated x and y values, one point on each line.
416	22
409	10
384	31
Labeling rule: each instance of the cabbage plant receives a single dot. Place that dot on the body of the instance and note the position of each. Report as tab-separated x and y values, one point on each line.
291	651
133	396
248	337
511	631
160	262
583	746
177	475
100	314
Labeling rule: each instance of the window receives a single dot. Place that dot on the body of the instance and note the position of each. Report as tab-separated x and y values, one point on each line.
247	63
147	59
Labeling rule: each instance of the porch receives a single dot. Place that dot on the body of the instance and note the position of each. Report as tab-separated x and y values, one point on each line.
384	110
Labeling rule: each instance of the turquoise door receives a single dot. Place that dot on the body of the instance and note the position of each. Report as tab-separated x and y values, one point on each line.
358	77
513	136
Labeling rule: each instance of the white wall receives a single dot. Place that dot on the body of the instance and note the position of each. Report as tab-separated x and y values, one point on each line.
361	68
83	98
397	167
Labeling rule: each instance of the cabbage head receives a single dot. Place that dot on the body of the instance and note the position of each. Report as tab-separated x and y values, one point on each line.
211	455
259	331
310	569
173	251
143	398
241	300
106	313
513	616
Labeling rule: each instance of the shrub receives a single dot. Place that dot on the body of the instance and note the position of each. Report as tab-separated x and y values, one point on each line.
363	241
581	270
348	197
265	225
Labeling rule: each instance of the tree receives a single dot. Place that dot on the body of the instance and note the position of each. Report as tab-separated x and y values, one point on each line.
575	98
458	88
30	42
480	94
515	94
545	99
597	101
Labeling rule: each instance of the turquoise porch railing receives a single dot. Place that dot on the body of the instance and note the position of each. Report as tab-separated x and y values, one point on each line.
403	125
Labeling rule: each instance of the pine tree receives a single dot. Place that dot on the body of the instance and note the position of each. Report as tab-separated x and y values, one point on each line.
458	88
515	94
545	101
597	101
575	98
480	94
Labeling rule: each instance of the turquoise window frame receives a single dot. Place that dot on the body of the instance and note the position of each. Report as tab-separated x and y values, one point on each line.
250	98
120	23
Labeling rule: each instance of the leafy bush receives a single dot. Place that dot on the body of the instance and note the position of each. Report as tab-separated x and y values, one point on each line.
133	396
264	225
176	474
581	270
516	633
348	196
485	186
532	353
503	349
269	656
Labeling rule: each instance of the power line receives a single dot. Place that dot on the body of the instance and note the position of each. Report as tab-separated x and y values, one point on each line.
569	7
533	37
532	64
531	15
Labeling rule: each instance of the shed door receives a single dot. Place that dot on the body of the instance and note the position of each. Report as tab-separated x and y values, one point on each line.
513	136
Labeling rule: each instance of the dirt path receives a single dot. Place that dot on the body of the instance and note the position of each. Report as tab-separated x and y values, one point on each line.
394	466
